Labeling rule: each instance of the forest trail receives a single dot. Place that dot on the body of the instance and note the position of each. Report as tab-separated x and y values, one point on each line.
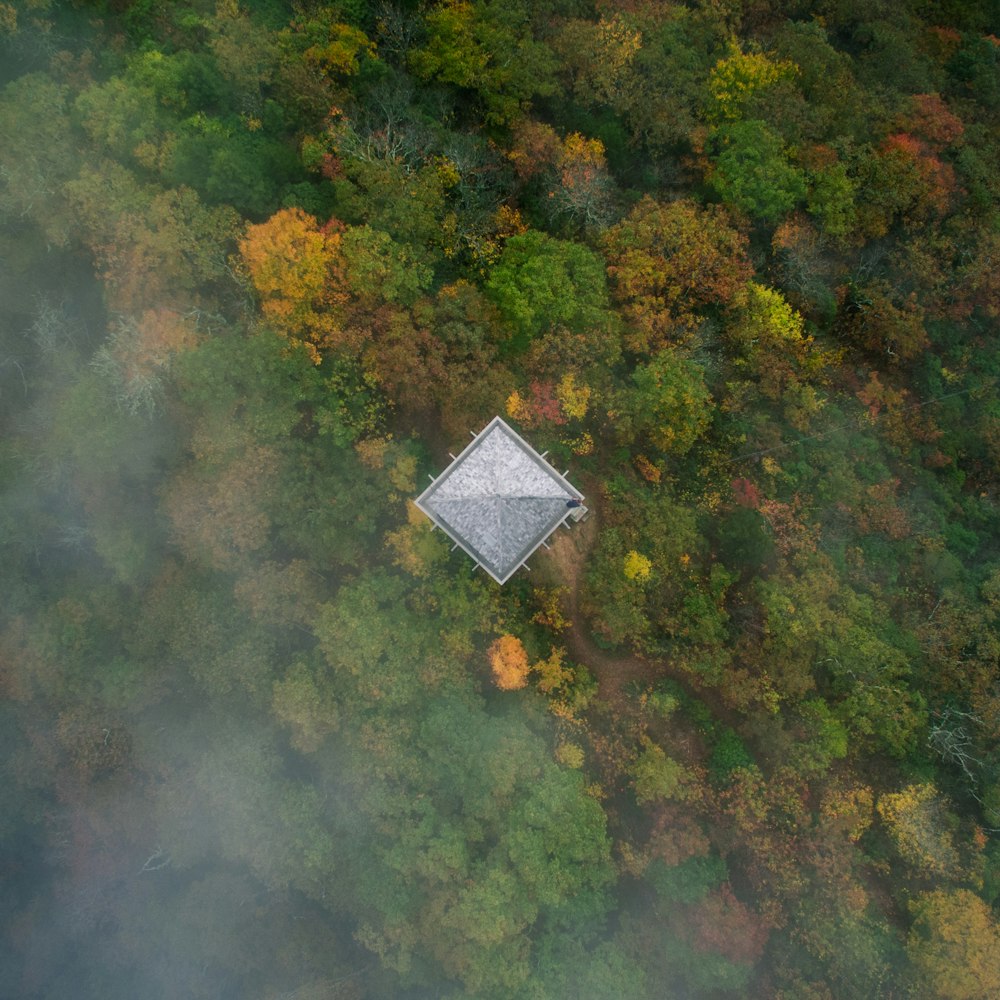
565	563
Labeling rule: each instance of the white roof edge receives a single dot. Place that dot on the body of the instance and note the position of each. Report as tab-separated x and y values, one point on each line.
476	558
549	467
531	453
458	458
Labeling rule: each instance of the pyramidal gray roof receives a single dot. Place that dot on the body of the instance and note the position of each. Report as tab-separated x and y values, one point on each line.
499	500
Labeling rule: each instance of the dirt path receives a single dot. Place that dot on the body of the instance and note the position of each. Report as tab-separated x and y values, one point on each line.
564	565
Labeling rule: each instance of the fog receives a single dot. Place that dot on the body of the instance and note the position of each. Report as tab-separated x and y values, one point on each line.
160	835
265	735
137	827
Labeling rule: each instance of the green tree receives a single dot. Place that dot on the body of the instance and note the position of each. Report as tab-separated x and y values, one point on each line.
656	776
376	666
488	49
231	162
675	603
125	119
832	192
541	283
380	270
256	454
489	841
153	246
751	171
35	163
246	52
668	402
303	701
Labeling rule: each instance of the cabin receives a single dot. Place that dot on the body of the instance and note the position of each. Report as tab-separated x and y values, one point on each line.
499	500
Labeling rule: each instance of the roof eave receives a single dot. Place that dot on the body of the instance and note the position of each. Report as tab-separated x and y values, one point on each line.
534	456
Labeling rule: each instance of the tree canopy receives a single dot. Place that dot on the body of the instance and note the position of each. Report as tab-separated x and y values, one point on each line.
265	734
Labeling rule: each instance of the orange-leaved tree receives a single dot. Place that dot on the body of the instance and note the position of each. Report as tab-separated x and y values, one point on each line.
509	662
930	118
297	270
666	261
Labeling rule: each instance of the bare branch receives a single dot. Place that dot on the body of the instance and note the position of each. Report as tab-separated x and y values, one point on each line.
157	860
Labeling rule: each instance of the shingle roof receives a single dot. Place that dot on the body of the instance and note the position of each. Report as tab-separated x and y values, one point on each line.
499	500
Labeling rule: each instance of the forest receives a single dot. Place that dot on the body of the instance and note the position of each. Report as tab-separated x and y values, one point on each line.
733	263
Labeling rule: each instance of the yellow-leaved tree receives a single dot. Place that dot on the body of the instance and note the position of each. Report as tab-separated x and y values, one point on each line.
955	945
735	80
636	566
920	825
297	270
